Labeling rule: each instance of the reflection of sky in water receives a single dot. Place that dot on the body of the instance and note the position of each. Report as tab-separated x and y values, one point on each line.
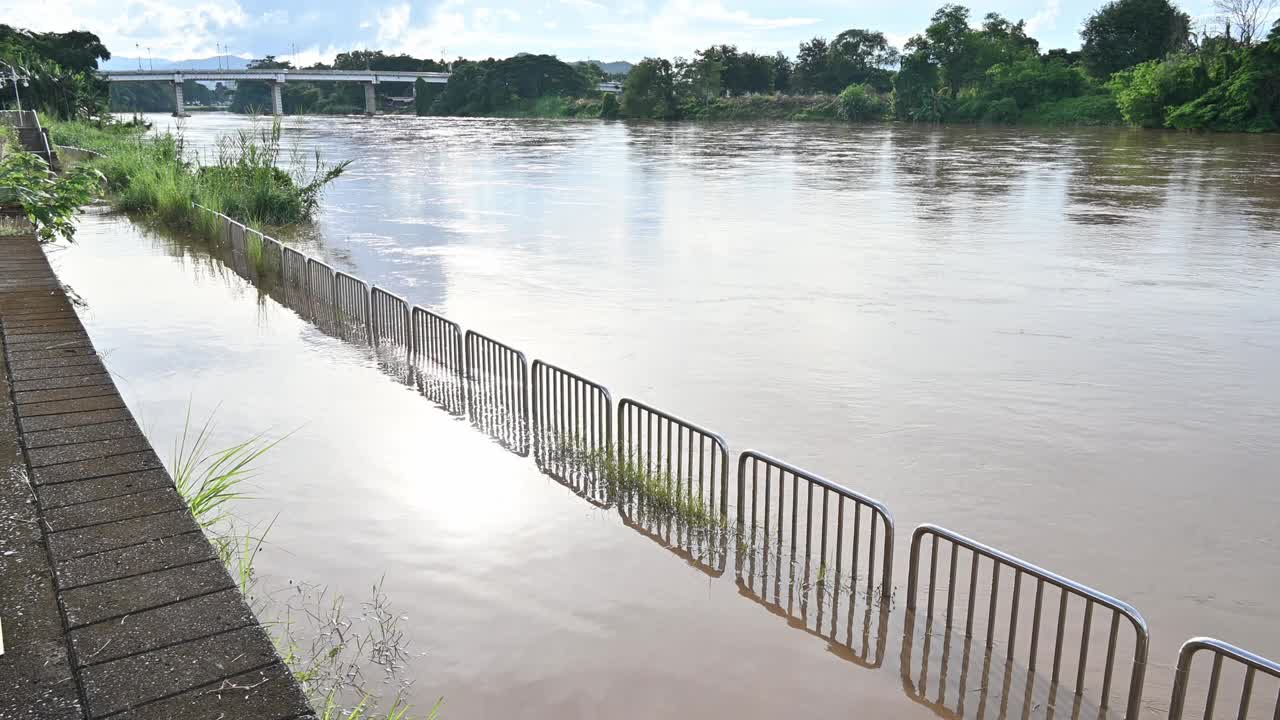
978	326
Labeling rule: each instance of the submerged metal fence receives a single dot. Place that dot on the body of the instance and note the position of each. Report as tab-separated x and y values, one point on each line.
438	357
815	551
824	546
672	482
573	431
498	391
1004	617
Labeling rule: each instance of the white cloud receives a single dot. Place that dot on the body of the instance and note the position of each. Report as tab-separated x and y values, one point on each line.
681	26
169	28
1045	19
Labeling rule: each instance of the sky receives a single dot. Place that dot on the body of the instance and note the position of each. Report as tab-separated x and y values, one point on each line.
307	31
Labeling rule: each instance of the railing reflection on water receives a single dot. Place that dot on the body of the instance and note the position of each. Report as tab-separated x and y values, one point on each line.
322	291
1070	605
498	391
671	482
351	308
806	548
438	359
815	551
572	423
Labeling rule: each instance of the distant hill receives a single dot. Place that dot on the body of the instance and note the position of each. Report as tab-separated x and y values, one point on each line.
618	67
132	63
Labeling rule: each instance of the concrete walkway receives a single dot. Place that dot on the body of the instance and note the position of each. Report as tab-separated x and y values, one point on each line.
112	602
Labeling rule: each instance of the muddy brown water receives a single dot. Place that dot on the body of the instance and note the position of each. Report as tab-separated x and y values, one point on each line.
1060	343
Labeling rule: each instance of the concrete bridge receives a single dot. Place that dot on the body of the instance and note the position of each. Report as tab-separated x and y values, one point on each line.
369	78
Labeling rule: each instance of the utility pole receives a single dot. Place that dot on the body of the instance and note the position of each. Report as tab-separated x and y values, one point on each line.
150	61
138	48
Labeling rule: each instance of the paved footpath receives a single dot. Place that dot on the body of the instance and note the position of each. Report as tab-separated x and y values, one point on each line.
112	602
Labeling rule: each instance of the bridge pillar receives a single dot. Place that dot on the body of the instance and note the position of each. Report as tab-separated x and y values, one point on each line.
370	99
277	100
179	108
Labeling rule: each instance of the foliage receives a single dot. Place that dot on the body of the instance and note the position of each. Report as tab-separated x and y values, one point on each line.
492	86
58	69
650	91
609	108
49	201
1145	92
1125	33
1246	97
1086	110
859	103
244	179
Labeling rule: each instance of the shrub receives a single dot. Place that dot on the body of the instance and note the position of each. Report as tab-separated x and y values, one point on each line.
861	102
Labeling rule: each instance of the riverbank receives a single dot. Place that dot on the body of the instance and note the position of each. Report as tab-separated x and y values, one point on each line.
114	601
156	177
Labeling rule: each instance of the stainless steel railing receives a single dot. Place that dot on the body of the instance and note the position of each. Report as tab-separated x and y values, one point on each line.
1243	660
824	546
1002	620
498	391
573	431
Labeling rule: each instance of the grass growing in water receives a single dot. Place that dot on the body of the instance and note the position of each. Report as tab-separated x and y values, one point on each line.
243	177
337	651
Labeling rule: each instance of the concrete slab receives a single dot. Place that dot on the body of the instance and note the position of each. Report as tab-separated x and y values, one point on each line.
136	680
58	454
85	469
124	507
116	598
84	491
71	393
62	382
85	433
161	627
148	557
60	407
54	422
94	539
268	694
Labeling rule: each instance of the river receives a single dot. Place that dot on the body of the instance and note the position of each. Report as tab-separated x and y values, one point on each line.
1062	343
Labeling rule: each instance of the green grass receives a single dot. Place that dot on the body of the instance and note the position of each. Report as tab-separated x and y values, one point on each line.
1086	110
650	492
157	177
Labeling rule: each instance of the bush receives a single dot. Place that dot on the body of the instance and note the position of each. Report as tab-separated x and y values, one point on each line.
861	102
1145	92
152	175
1003	111
609	106
1088	110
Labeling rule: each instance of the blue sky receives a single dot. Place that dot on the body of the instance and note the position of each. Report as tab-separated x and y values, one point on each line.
571	29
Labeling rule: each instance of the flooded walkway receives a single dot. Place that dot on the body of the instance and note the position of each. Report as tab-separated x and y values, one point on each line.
112	601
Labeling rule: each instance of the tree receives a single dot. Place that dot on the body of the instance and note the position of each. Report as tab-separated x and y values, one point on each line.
650	90
782	72
1248	17
948	42
812	71
1124	33
861	56
700	79
916	88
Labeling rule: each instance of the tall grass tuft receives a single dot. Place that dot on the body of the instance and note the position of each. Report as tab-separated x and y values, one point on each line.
331	665
209	479
245	177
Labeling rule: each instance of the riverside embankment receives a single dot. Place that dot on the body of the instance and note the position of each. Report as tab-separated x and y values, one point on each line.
113	602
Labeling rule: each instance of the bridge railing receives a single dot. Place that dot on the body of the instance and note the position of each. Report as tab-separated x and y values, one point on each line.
668	479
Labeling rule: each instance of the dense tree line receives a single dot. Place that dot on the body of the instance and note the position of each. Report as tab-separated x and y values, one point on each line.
56	71
1139	62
